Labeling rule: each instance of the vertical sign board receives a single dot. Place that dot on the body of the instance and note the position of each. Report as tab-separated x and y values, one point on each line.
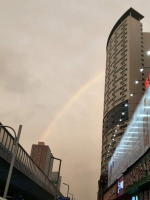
135	141
120	186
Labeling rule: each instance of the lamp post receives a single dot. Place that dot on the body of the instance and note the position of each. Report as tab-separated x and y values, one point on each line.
71	195
67	190
13	157
56	195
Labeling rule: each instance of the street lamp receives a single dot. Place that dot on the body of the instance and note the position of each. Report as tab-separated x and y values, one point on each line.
56	195
13	157
71	195
67	190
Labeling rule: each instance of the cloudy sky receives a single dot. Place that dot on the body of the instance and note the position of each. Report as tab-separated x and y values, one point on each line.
52	66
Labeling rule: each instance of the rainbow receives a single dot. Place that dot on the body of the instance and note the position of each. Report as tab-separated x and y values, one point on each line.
70	101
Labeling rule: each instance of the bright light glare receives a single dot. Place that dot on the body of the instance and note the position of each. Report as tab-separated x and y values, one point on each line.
141	70
126	105
120	120
136	82
131	95
148	53
123	113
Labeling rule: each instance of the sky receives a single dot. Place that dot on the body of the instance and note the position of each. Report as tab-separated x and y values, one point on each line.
52	73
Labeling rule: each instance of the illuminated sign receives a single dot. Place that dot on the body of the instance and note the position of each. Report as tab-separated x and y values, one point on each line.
120	186
134	197
135	141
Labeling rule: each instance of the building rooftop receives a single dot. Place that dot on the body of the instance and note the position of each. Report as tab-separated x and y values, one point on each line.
130	12
41	143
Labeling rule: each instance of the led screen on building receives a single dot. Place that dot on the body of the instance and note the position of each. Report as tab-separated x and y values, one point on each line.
135	141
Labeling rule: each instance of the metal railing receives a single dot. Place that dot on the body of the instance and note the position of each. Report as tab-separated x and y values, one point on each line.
7	143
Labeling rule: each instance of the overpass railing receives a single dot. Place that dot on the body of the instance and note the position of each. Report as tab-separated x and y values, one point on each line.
7	143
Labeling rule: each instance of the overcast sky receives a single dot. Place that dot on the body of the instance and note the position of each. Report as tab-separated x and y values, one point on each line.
52	66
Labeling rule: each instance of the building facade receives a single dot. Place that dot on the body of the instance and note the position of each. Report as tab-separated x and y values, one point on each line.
129	166
41	154
127	61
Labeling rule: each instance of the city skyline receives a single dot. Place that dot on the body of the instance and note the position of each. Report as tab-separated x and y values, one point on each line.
52	79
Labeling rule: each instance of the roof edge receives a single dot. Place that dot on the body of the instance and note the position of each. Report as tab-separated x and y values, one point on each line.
129	12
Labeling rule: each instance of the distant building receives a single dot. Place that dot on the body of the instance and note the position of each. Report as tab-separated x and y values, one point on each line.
41	154
54	178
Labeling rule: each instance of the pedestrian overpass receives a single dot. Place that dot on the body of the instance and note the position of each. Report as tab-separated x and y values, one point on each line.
27	179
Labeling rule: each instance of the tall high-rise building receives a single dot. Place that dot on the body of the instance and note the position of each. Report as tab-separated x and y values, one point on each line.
127	61
41	154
